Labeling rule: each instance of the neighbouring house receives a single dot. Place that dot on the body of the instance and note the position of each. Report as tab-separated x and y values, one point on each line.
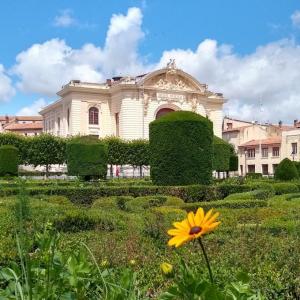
261	147
24	125
124	106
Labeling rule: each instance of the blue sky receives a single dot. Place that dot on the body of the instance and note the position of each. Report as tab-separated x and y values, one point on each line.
210	39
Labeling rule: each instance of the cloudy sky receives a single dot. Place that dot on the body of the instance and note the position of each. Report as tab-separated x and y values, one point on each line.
249	50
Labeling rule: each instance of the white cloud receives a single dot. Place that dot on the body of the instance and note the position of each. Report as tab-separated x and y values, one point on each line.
7	90
295	17
44	68
270	74
32	109
64	19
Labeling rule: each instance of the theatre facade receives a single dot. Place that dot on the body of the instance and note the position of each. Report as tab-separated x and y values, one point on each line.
124	106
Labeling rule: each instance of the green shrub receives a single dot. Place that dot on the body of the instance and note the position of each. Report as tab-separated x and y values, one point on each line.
17	140
87	158
254	175
221	155
285	188
60	200
181	145
225	204
286	170
297	165
118	202
75	221
256	194
9	160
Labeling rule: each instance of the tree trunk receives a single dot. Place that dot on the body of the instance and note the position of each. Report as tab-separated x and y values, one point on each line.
141	171
111	171
47	171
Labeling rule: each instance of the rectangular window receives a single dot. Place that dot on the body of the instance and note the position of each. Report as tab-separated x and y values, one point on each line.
275	151
229	126
251	153
265	169
264	152
294	148
251	168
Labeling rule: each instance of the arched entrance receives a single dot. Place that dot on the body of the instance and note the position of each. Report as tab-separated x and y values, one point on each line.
163	111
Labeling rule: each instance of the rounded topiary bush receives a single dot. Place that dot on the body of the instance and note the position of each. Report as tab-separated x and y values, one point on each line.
87	158
181	149
286	170
9	160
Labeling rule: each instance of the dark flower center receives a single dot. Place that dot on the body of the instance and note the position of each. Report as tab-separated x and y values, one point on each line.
195	230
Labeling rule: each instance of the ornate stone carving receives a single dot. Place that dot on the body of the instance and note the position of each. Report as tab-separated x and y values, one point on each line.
172	84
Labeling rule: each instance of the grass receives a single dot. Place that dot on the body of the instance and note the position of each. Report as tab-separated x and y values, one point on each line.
264	241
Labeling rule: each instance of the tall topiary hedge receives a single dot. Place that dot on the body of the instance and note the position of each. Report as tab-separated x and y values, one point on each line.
9	160
233	159
17	140
221	155
286	170
87	158
181	147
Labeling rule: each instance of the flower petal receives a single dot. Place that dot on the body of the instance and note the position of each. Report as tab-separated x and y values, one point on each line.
212	219
175	232
191	220
199	216
207	216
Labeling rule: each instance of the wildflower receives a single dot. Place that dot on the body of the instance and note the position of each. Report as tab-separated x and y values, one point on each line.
104	263
132	262
166	268
193	227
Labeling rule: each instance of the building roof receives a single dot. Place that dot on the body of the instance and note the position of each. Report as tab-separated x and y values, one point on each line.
268	141
26	126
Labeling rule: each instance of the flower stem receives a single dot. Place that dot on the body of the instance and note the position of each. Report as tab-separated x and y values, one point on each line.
206	259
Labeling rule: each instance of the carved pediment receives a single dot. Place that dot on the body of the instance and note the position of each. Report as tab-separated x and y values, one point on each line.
171	82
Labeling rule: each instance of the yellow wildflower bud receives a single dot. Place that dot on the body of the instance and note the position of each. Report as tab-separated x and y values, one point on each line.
104	263
166	268
132	262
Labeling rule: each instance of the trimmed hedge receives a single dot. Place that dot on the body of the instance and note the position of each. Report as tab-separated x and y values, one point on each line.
224	204
221	155
286	170
9	160
256	195
285	188
87	158
181	147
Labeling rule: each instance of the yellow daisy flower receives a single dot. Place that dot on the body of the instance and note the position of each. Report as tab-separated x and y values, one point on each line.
193	227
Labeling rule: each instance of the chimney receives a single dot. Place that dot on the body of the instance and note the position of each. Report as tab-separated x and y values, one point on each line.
6	119
280	124
108	82
295	123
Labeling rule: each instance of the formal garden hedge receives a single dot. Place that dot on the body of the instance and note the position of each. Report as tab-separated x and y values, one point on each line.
221	155
87	158
181	147
9	160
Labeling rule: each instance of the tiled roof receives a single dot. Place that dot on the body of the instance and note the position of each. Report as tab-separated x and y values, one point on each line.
27	126
268	141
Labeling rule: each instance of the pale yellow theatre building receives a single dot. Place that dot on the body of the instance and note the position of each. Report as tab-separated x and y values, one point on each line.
124	106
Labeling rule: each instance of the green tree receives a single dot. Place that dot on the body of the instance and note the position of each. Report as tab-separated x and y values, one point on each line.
138	154
286	170
46	150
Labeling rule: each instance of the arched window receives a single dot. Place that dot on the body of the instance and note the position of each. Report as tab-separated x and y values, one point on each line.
93	116
163	111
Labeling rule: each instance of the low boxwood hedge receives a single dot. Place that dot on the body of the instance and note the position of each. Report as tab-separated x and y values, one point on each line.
224	204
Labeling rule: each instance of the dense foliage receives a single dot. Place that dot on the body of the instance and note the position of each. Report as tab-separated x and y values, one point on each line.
221	155
87	158
233	160
9	160
46	150
181	146
20	142
259	233
286	170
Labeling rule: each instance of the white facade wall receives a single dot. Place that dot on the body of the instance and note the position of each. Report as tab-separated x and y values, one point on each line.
135	101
